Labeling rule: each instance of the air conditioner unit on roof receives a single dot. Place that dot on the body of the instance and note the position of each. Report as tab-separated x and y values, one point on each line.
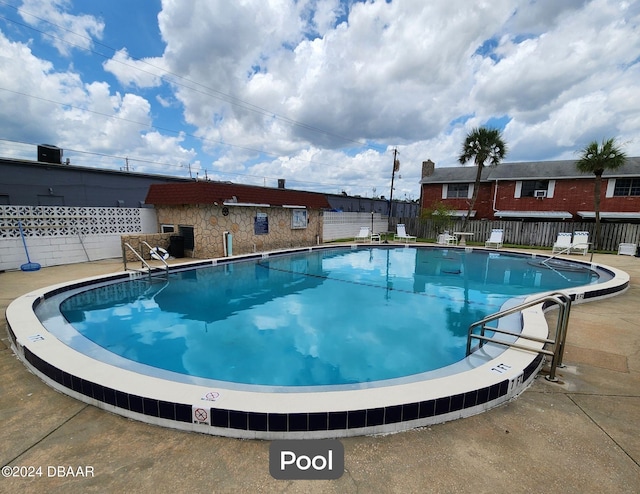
540	193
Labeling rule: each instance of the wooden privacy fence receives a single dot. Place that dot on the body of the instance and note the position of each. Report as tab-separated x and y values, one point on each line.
538	233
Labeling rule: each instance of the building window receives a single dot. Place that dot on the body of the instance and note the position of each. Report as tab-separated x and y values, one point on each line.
529	187
298	219
627	187
455	191
167	228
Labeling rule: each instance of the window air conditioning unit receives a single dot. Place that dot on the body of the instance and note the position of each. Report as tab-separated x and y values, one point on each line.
540	193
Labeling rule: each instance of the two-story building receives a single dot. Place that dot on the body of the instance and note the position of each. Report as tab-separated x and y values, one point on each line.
553	190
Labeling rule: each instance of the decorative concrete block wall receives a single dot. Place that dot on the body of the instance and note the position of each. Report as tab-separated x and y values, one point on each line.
58	235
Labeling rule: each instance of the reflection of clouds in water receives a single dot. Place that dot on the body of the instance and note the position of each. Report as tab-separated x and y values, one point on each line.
330	318
265	323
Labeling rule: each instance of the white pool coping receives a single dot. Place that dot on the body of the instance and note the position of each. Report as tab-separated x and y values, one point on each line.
480	370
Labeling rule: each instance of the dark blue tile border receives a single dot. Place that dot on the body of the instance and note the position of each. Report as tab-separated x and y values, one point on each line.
258	421
277	422
356	419
337	420
375	416
318	421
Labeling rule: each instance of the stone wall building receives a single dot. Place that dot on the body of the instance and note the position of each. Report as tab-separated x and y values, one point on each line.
214	219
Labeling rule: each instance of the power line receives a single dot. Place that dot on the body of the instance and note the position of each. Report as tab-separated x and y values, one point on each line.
208	91
164	129
172	165
218	94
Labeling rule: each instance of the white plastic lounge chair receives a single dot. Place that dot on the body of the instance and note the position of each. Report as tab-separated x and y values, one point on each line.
401	234
495	239
447	239
580	242
627	249
563	243
363	235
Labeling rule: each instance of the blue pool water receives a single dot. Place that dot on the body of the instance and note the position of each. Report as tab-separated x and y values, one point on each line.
326	317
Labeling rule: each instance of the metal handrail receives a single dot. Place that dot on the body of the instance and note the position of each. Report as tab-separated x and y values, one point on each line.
564	303
144	263
166	266
568	250
135	252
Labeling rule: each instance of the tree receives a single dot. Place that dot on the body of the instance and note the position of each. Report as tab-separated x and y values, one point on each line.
482	144
440	214
596	158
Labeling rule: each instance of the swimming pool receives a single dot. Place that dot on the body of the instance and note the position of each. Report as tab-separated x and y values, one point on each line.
336	371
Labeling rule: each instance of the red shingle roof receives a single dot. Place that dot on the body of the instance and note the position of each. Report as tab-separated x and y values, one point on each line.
209	192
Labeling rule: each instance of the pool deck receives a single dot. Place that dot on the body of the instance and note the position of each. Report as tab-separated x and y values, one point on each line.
581	435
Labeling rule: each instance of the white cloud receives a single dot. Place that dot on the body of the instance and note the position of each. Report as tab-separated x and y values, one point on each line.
319	92
55	107
65	30
143	73
325	14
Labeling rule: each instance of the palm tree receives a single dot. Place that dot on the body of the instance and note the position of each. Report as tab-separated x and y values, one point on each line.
483	144
596	158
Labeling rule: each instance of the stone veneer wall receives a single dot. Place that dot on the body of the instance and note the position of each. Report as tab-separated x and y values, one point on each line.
209	223
135	241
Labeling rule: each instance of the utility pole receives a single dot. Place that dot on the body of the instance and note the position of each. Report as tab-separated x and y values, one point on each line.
396	167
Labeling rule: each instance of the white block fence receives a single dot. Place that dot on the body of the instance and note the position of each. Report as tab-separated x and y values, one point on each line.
58	235
347	225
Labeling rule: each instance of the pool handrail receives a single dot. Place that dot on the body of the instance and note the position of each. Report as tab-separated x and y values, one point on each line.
568	251
559	298
141	259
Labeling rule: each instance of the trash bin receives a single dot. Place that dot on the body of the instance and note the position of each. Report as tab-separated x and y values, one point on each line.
176	245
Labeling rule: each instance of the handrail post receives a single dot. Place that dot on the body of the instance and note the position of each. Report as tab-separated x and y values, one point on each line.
166	266
565	327
142	261
124	256
469	333
558	298
556	351
564	303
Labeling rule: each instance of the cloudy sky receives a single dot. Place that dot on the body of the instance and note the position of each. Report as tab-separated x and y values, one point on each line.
318	92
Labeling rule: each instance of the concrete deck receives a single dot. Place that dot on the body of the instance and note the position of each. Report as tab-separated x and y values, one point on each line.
581	435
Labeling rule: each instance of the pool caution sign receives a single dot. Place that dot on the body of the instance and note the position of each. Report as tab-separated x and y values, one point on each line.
200	415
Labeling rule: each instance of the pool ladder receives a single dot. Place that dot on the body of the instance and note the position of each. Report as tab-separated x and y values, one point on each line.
149	269
567	250
562	300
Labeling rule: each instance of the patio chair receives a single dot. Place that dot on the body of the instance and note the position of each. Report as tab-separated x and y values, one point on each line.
401	234
495	239
563	243
627	249
447	239
363	235
580	242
